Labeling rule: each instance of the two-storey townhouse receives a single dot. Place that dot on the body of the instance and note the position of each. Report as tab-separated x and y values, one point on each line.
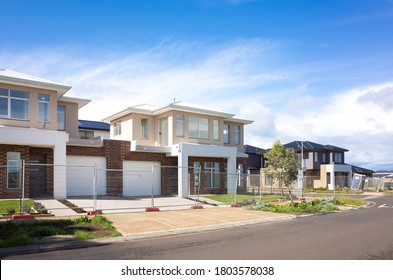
189	137
323	165
36	122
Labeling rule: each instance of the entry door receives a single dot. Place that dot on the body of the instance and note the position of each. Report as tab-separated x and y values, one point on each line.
37	175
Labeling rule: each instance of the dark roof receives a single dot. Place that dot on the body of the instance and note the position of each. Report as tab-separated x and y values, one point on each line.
311	146
357	169
93	125
248	149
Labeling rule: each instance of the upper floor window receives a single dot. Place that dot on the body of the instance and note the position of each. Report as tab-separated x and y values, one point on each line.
226	133
43	107
323	157
14	104
86	134
237	134
315	157
198	128
61	120
117	128
180	125
145	128
216	130
338	157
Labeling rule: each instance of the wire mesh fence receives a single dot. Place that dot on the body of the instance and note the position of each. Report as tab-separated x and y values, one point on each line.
94	182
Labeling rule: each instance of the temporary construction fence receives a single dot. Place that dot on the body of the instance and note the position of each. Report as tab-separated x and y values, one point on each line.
143	179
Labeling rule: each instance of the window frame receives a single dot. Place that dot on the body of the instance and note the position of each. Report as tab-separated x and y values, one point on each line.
200	125
46	103
145	129
9	100
180	121
15	166
63	114
117	128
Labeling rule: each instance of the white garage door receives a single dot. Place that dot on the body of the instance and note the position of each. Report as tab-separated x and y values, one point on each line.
80	175
138	178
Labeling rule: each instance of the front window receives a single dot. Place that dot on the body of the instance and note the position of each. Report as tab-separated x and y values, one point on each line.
14	104
61	117
315	157
43	107
13	170
212	174
145	128
199	128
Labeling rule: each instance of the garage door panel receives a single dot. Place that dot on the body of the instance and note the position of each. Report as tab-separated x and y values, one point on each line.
138	178
80	175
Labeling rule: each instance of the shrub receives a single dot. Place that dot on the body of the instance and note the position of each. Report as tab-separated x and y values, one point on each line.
11	211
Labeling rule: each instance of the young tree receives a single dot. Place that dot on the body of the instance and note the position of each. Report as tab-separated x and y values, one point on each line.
282	165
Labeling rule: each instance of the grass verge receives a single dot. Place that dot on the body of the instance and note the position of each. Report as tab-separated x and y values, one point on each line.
17	233
243	198
316	206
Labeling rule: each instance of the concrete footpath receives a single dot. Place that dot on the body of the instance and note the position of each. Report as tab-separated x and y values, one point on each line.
142	225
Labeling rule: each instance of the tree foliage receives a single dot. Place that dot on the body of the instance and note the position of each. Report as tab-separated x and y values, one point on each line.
282	165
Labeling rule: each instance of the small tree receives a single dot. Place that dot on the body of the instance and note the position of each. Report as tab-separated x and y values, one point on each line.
282	165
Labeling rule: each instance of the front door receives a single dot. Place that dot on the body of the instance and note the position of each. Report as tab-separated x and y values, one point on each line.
37	177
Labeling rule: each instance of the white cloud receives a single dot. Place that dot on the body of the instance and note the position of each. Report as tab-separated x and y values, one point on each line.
352	119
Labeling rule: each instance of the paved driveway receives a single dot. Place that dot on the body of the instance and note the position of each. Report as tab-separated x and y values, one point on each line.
110	205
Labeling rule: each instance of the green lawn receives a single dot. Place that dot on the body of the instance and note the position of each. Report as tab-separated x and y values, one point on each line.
22	233
241	198
6	205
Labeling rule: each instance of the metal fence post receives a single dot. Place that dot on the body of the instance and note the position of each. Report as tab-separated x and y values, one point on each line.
95	168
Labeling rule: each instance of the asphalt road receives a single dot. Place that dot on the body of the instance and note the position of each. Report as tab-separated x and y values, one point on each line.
353	235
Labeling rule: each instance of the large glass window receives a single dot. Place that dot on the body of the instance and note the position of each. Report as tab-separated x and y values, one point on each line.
61	123
226	134
43	107
216	130
13	170
145	128
198	128
212	174
180	125
14	104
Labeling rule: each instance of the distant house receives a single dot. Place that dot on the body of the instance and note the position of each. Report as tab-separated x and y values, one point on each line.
323	165
93	129
255	160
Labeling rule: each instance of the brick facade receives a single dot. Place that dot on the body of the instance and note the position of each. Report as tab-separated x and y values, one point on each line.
26	152
115	152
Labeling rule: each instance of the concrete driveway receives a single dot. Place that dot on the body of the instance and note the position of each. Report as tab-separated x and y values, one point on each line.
111	205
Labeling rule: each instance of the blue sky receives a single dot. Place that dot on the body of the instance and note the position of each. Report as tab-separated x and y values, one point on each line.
301	69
